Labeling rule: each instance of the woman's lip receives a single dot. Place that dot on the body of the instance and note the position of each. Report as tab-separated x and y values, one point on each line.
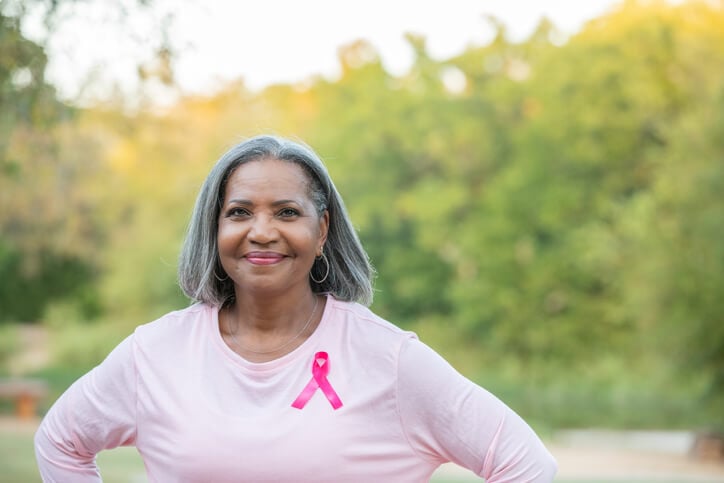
263	258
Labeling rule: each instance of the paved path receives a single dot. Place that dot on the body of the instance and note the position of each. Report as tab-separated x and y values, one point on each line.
620	456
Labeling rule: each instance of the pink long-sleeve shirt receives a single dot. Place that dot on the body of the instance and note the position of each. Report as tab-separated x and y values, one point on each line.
198	412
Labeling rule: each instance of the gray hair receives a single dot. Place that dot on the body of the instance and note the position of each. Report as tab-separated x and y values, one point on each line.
200	274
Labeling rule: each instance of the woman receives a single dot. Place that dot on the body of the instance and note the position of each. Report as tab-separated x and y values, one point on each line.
279	372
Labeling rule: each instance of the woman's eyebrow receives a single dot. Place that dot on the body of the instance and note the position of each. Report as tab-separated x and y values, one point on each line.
237	201
241	201
286	202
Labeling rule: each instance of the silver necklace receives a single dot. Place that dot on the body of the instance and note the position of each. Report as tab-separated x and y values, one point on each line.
276	349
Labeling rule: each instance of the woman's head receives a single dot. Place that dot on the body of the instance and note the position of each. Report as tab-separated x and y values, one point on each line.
201	275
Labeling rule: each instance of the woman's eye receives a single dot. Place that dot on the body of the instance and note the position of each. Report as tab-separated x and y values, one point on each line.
238	212
288	213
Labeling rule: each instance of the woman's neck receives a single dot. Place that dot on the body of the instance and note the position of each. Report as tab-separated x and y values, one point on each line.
261	329
272	313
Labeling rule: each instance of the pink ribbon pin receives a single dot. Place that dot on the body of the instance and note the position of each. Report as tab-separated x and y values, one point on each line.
320	369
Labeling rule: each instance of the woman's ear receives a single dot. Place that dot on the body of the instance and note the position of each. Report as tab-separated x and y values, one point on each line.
323	231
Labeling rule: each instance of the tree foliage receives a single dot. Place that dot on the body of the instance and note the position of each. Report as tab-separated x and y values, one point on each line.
545	206
43	216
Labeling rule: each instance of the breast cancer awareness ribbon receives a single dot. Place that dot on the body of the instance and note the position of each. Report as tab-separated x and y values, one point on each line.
320	369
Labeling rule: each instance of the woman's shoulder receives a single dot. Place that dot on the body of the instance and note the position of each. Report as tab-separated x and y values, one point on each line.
362	320
177	323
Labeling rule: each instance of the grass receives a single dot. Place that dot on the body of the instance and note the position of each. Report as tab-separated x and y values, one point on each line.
17	458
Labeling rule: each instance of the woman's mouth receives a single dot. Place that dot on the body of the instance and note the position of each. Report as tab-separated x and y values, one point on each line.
264	258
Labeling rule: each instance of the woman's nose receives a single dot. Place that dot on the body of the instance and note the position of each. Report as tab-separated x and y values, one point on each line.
263	230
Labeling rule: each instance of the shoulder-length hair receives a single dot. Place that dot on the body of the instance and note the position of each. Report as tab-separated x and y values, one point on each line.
200	273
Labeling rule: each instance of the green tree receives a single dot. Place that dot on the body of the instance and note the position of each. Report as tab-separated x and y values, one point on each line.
36	268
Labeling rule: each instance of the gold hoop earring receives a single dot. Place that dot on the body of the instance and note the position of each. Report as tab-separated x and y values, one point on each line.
326	273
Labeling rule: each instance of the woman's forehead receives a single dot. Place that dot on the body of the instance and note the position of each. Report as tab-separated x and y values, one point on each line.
268	175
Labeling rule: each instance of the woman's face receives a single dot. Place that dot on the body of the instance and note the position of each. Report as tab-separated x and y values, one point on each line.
269	230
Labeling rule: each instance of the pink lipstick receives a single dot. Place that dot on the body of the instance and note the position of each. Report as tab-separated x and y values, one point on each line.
264	258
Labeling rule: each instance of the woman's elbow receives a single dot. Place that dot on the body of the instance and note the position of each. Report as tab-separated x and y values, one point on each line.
548	469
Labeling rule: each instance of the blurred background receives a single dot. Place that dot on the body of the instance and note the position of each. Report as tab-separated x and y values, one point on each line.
539	185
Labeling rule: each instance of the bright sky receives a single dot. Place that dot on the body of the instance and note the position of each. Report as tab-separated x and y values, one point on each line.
272	41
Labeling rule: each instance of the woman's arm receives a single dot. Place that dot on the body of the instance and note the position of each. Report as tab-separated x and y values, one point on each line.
97	412
449	418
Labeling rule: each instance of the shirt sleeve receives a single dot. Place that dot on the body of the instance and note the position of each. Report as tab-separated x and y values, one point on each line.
97	412
447	417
